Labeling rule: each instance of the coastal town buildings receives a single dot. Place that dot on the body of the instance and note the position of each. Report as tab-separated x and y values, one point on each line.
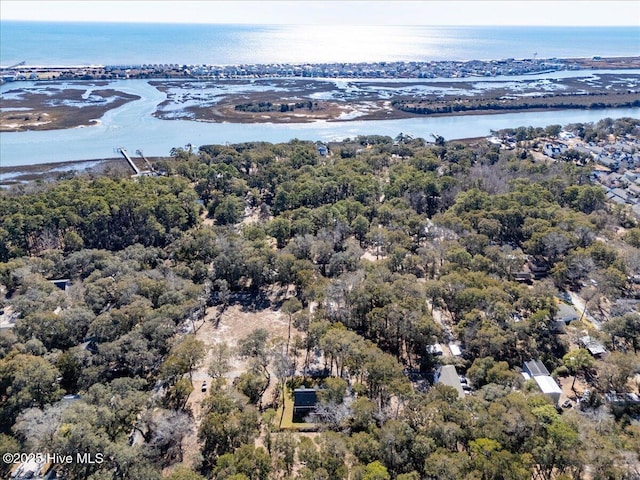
413	69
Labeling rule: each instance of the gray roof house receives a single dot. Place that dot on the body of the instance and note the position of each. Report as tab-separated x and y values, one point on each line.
304	403
566	313
447	375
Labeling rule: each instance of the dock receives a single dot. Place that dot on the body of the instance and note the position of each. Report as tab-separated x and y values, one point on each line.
126	156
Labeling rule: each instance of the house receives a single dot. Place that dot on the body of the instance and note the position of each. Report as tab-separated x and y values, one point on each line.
536	370
634	190
554	150
566	313
538	266
609	162
619	192
595	347
447	375
523	277
304	403
615	198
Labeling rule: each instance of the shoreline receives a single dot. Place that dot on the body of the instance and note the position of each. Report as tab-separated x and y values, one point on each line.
21	174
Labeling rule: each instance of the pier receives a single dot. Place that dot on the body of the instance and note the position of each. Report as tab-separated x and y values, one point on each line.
126	156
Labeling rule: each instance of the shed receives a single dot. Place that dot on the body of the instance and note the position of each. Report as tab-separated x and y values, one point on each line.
447	375
435	349
595	347
455	350
304	403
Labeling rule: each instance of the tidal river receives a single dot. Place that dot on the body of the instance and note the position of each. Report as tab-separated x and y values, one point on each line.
132	126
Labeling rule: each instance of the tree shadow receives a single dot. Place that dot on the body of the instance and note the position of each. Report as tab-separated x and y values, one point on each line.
251	302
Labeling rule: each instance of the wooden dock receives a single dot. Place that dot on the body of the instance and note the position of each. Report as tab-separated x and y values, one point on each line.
126	156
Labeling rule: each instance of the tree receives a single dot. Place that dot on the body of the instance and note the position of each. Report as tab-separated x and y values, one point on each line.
249	461
7	445
284	449
289	307
486	370
184	357
26	381
178	394
360	226
228	211
220	359
625	328
376	471
334	390
252	384
578	361
227	424
166	430
280	229
616	369
254	346
181	472
396	438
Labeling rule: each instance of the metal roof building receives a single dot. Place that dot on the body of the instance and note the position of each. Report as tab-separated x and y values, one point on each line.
536	370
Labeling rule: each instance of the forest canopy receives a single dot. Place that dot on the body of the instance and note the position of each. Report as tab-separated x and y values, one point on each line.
368	252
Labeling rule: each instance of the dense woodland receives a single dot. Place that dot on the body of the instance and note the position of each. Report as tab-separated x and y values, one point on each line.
360	249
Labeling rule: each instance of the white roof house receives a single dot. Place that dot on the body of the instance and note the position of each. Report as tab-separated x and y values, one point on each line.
536	370
549	387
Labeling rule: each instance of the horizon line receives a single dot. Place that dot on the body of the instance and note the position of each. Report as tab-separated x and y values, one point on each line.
298	24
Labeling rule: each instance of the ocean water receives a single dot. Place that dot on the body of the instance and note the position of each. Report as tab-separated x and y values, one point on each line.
46	43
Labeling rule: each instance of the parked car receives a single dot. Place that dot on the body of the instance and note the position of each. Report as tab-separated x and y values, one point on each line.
204	386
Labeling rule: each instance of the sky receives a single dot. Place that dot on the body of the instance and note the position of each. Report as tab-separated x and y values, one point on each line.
334	12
